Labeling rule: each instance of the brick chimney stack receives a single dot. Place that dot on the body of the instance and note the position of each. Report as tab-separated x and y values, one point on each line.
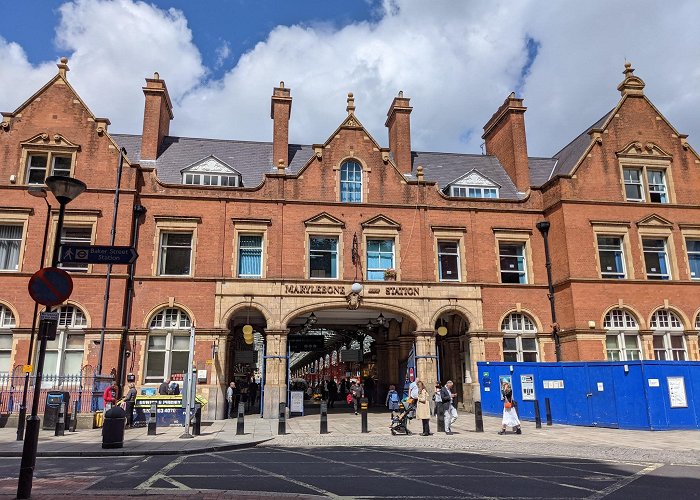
157	114
504	135
399	124
280	112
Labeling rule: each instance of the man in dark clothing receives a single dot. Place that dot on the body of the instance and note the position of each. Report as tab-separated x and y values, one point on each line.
163	388
332	393
252	393
369	390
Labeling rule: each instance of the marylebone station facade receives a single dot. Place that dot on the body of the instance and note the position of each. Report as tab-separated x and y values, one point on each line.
377	249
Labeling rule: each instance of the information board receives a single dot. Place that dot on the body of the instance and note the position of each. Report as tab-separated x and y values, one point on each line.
676	392
527	387
296	402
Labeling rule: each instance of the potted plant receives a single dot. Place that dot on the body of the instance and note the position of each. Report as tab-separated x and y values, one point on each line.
390	274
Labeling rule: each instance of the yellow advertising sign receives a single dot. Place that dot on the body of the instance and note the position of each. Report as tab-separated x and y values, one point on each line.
27	368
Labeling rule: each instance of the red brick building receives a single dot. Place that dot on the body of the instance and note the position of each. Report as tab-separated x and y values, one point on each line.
375	248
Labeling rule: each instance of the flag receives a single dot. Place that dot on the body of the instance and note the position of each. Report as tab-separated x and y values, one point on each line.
355	251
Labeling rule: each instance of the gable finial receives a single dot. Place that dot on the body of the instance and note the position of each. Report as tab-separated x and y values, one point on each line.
351	104
63	67
632	84
629	70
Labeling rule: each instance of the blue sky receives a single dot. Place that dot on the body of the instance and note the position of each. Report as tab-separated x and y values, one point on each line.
456	60
236	24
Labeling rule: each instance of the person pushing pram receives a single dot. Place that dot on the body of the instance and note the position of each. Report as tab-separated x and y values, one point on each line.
406	412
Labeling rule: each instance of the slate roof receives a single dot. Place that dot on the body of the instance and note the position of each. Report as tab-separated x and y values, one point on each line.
254	159
572	152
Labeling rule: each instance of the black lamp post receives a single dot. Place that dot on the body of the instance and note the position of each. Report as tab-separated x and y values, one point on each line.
39	192
65	189
543	228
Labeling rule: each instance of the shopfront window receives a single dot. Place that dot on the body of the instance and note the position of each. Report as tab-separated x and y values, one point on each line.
168	345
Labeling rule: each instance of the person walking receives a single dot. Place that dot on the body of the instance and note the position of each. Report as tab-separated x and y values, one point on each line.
448	401
423	408
332	393
110	396
357	392
436	400
229	398
129	402
392	398
510	415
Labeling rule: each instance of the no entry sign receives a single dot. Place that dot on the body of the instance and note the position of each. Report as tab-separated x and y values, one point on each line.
50	286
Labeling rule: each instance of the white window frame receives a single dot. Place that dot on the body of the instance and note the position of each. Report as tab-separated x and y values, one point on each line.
168	322
608	248
18	241
523	257
646	188
7	321
162	251
72	322
666	324
630	182
457	254
518	326
466	191
393	256
692	254
620	324
657	275
50	165
238	254
656	188
338	263
210	179
360	182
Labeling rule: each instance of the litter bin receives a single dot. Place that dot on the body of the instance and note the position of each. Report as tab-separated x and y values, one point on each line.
53	407
113	428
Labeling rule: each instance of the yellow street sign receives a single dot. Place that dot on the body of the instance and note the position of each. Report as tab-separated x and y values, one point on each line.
27	368
209	362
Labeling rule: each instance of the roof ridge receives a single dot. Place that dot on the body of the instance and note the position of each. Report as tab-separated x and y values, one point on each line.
211	139
585	132
476	155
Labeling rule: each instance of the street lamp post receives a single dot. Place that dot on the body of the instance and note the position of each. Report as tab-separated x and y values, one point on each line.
39	192
65	190
543	228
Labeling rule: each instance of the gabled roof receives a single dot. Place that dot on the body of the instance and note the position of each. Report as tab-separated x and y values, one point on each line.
210	164
479	182
570	154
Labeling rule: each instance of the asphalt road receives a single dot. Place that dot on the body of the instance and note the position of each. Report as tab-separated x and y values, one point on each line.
352	472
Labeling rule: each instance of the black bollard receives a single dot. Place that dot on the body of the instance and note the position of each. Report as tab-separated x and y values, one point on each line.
197	422
363	413
324	418
240	424
61	421
282	425
440	412
538	418
152	420
548	410
478	416
73	424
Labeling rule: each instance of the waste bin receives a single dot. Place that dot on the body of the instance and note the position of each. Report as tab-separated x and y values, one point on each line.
53	407
113	428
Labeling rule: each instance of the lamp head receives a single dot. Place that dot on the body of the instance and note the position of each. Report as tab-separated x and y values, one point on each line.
37	191
356	287
65	189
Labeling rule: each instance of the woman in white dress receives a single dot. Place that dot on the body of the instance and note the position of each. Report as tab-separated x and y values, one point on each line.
510	416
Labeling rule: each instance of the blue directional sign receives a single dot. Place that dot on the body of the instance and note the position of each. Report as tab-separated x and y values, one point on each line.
96	254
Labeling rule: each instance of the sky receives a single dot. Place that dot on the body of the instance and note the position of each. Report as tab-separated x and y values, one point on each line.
456	60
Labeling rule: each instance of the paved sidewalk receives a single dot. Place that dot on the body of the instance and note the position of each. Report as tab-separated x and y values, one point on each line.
344	430
219	435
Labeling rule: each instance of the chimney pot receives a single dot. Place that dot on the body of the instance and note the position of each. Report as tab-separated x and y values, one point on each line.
280	112
157	115
399	124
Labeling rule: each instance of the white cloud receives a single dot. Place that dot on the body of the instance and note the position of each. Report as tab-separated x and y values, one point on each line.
223	52
456	60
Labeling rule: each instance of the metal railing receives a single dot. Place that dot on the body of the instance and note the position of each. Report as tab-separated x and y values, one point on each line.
85	389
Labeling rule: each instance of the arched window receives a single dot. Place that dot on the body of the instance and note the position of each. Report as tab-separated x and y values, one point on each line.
519	338
7	321
168	345
351	182
64	355
622	339
697	322
669	343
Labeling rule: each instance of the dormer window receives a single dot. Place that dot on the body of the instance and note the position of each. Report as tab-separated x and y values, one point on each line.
473	192
473	185
211	171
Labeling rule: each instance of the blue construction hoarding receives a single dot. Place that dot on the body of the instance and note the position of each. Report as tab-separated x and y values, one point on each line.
656	395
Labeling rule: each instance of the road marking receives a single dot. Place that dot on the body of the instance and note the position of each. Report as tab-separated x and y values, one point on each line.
162	474
279	476
387	473
510	474
624	482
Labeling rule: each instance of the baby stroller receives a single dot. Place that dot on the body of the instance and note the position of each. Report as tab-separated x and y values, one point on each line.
400	417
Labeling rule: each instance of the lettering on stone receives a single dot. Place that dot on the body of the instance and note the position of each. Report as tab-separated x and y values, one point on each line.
404	291
314	290
373	291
